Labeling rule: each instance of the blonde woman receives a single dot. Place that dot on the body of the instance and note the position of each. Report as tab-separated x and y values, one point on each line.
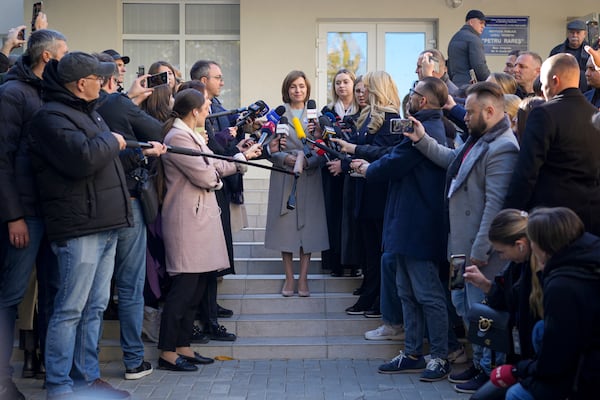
372	141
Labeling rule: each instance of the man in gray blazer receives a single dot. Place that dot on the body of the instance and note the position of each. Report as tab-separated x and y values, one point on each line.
477	177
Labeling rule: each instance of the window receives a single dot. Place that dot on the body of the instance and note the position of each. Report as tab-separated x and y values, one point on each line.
182	32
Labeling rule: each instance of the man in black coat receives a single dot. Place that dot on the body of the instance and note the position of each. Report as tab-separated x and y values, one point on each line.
20	214
559	161
84	201
574	44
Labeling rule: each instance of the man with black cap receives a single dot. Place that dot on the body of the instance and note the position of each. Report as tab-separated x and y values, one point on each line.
465	51
576	40
84	201
121	61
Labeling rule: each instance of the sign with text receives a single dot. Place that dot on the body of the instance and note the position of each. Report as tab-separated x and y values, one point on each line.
505	34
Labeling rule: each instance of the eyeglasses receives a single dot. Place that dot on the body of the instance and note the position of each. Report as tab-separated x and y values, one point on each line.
218	77
100	79
412	91
359	91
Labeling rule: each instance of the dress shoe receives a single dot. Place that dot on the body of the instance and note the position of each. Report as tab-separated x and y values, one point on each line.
224	312
198	336
219	332
197	359
373	314
181	364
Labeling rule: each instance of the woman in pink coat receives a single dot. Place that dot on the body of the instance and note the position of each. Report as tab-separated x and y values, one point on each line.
192	230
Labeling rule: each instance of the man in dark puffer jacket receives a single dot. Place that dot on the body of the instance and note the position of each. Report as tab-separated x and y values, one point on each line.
84	201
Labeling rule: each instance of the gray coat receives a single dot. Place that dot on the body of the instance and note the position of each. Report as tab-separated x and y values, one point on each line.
306	226
465	52
475	189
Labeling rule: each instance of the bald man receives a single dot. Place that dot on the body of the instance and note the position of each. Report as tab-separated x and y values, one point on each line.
559	162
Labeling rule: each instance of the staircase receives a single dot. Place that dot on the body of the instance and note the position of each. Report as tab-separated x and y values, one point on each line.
268	325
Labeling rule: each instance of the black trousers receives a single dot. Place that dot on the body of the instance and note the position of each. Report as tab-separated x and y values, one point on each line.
176	325
371	231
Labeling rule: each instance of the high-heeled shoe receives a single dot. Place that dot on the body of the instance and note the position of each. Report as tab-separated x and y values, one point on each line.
303	293
287	293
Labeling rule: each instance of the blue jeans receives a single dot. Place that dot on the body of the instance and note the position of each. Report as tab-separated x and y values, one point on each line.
85	266
15	271
390	304
423	299
517	392
463	299
130	272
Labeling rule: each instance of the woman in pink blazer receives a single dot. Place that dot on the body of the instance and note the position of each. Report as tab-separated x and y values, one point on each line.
192	230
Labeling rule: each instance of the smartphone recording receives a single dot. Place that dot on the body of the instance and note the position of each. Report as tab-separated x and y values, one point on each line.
457	270
157	80
400	125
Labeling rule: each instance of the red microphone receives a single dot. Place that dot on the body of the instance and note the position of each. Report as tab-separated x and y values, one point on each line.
503	376
320	151
266	131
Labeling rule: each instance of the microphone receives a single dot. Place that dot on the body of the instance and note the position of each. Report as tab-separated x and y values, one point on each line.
301	135
266	133
257	109
311	110
331	117
274	115
321	152
228	112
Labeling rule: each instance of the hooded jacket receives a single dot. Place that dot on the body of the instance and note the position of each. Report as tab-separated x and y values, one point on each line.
75	160
570	353
20	98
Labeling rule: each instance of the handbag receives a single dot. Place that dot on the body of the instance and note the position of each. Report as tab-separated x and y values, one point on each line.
147	193
489	327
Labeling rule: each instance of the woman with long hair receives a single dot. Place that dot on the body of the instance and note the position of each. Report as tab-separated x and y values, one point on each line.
567	363
172	74
296	219
374	139
193	234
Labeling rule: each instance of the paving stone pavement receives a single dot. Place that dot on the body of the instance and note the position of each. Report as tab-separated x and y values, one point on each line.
270	379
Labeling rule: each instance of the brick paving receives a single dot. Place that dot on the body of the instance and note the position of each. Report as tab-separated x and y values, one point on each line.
270	379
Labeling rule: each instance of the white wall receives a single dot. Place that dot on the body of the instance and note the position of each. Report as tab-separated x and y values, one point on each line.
278	36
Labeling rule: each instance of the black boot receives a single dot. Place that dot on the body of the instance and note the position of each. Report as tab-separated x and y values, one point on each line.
28	364
40	372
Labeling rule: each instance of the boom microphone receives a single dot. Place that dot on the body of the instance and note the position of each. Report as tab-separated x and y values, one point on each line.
228	112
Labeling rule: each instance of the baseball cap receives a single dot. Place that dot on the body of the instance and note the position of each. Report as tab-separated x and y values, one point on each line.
475	14
116	56
576	25
77	64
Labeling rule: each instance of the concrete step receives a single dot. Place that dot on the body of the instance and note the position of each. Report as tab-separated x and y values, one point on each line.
249	235
262	348
254	249
271	265
276	304
272	283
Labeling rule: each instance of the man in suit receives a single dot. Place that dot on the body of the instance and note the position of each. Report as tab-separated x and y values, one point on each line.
477	177
413	243
526	70
559	163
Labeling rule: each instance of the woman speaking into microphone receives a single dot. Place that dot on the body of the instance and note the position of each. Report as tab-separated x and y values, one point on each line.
296	220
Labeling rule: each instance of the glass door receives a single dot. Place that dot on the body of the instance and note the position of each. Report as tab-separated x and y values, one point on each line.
363	47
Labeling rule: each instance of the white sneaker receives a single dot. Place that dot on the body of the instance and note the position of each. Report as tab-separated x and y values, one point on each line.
151	323
458	356
386	332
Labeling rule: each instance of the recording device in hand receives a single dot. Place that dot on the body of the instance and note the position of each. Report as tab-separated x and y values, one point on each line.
21	34
274	115
311	110
257	109
400	125
156	80
473	76
457	270
141	71
37	9
266	133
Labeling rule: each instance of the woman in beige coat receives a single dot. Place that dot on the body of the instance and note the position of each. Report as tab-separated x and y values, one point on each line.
193	234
